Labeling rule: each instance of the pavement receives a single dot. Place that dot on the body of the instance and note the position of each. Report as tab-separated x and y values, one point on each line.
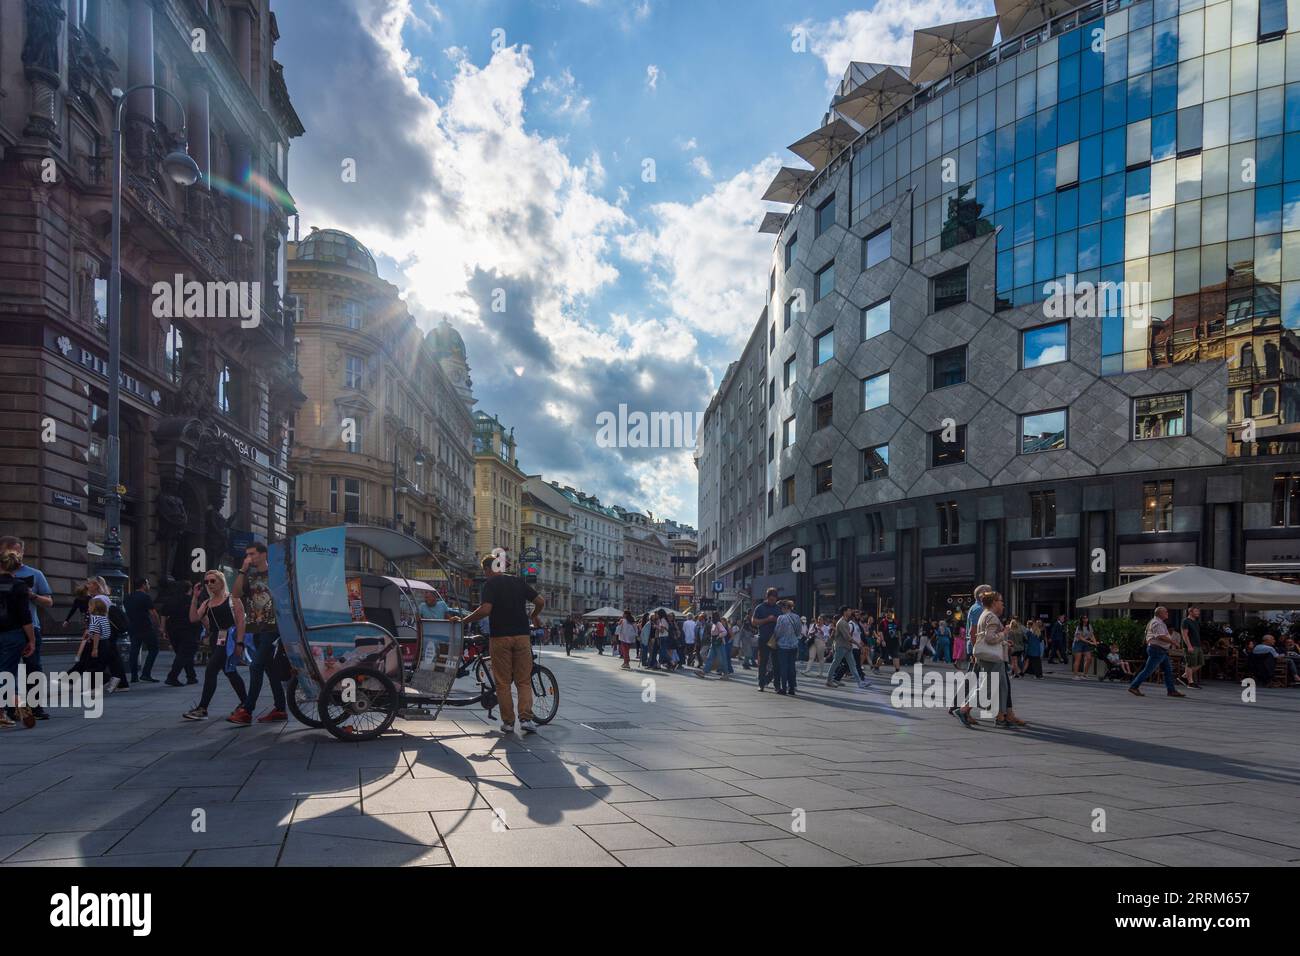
679	771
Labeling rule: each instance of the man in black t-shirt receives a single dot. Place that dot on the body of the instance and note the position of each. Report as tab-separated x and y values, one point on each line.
504	603
183	635
568	636
142	618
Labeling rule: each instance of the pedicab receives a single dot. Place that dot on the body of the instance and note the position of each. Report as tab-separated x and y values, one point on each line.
359	651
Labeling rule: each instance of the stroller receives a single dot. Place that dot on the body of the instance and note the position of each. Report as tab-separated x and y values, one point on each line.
1114	672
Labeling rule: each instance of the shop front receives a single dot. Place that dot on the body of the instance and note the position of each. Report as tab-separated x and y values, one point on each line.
1042	582
825	593
876	586
949	583
1273	557
1155	555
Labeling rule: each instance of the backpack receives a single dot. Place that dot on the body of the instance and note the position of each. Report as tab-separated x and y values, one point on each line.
7	622
117	622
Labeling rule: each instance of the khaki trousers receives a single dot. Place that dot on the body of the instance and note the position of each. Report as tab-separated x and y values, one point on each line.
512	663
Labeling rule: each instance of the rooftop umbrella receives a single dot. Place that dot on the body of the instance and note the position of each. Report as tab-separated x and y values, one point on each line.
875	97
772	222
1194	586
604	612
821	146
1017	16
667	610
936	51
788	184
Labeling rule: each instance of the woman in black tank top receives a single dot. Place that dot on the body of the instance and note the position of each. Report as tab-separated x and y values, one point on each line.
219	613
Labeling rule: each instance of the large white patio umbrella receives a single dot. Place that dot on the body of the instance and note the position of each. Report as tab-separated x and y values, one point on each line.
1194	586
936	51
788	184
821	146
1017	16
772	222
875	97
604	612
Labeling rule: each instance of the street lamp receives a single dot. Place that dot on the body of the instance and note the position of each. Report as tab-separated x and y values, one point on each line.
182	170
418	462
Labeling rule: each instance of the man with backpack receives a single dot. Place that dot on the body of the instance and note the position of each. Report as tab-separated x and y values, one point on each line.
17	636
39	595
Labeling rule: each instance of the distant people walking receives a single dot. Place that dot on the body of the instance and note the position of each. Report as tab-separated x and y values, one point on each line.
142	623
626	638
39	595
181	633
1056	643
17	637
842	643
1034	649
764	619
253	586
1159	644
787	632
568	630
223	625
1195	658
688	641
1085	643
816	650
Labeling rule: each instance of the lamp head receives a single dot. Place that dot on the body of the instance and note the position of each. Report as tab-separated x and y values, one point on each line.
181	168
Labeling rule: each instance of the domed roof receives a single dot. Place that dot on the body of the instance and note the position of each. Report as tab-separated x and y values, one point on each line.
334	245
446	339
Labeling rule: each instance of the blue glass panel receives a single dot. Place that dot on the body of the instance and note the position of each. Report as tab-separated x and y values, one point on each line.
1291	206
1090	113
1006	139
1139	97
1046	120
1024	180
1067	252
1139	49
1023	264
986	153
1024	229
1026	138
1113	105
1089	247
1026	93
1112	334
969	126
1067	121
1068	43
1114	150
1044	345
1089	204
1166	9
1165	44
1292	107
1003	222
1044	259
1112	241
1067	76
1046	174
1164	90
1164	136
1270	111
1189	128
1268	157
1268	210
1113	273
1116	59
984	193
1112	196
1089	158
1004	188
1067	209
1139	15
1137	189
1004	272
1045	216
1291	165
1090	69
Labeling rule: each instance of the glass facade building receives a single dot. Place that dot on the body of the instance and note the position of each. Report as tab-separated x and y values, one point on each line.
1073	259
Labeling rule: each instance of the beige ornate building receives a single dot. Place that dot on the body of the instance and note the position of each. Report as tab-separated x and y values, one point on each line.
205	399
385	436
546	528
498	488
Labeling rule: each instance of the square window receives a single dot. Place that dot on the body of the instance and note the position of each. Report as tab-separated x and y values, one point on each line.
876	248
948	368
1043	431
875	320
1045	345
789	372
947	452
826	214
821	477
791	249
949	289
825	281
1160	416
823	411
825	347
875	463
787	492
875	391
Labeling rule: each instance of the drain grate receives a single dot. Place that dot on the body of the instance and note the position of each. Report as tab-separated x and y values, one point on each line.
608	725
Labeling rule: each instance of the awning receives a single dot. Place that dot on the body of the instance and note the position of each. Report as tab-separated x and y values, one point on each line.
393	545
788	184
821	146
1017	16
772	223
1195	586
410	584
875	98
604	612
937	51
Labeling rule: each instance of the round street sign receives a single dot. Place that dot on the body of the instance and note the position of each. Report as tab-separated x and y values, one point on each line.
717	587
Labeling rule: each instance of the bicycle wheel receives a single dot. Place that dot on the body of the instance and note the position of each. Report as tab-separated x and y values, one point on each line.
359	703
299	705
546	695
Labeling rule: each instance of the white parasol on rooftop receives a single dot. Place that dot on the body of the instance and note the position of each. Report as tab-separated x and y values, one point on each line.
937	51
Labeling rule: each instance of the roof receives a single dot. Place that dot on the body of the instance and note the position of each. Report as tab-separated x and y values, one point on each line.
335	245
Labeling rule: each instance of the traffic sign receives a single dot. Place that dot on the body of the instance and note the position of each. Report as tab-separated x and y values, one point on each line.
717	587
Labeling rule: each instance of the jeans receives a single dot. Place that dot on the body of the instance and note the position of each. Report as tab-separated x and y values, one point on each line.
512	663
845	656
719	654
217	666
945	650
1156	657
149	641
11	652
785	668
263	654
766	663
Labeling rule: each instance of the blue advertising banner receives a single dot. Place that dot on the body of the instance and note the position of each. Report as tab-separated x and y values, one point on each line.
322	581
290	639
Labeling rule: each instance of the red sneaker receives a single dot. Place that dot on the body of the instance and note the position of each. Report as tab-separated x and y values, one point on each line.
240	716
273	716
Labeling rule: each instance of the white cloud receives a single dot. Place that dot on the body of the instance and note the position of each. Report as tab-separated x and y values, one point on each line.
883	34
701	166
652	76
689	145
562	96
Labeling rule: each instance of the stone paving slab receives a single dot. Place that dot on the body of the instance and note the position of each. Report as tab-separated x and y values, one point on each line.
710	773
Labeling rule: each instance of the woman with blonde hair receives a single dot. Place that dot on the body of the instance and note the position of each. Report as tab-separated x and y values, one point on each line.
113	662
223	623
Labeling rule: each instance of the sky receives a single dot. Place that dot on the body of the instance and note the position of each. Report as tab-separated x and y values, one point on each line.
575	185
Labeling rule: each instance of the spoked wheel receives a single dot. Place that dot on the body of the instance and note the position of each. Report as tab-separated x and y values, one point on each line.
358	703
299	705
546	695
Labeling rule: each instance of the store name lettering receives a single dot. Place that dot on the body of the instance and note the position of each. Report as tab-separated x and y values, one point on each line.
100	367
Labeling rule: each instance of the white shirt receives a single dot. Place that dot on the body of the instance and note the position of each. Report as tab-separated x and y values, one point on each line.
688	631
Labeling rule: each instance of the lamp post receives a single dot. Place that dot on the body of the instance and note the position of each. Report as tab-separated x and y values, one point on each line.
418	462
182	169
